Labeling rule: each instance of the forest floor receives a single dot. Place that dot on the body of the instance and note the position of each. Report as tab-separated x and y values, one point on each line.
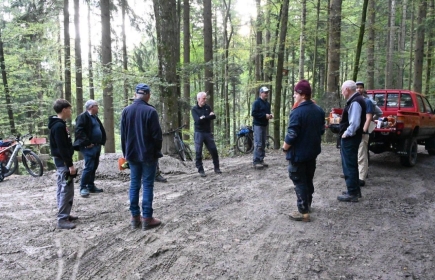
230	226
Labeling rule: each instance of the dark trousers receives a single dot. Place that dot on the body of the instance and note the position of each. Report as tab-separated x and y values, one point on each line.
92	160
207	139
349	161
302	174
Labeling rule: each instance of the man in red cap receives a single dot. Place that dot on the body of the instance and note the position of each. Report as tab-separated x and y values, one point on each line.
302	146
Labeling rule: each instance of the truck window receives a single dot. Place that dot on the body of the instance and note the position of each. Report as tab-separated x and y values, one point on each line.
420	104
393	100
380	99
406	101
427	106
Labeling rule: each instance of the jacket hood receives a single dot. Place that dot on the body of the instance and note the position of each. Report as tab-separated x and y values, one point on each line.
52	120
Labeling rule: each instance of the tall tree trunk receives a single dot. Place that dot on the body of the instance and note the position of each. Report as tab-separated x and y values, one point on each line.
430	48
419	47
370	83
360	40
316	43
411	49
78	58
59	85
5	85
400	71
66	43
186	58
208	51
227	41
90	67
389	71
124	53
302	39
333	89
258	46
279	75
106	55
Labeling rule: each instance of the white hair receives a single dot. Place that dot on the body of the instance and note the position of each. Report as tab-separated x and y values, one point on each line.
350	85
90	103
200	94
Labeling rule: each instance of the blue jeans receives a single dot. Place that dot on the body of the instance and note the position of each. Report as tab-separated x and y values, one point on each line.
92	160
302	174
260	133
349	160
145	173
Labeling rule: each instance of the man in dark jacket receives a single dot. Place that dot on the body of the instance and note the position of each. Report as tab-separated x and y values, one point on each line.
202	116
89	136
141	143
351	131
62	152
302	146
261	114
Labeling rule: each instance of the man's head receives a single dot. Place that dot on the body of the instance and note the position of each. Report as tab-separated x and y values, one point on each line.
202	98
63	109
302	91
359	86
143	92
348	88
264	93
91	106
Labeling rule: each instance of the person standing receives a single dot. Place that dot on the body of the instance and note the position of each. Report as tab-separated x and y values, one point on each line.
89	136
141	143
302	146
261	115
202	116
351	130
62	151
363	159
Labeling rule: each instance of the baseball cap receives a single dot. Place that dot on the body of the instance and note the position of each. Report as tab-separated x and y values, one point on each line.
264	89
359	83
303	87
143	87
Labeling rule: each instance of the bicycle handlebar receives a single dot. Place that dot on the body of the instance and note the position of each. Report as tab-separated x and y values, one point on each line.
175	130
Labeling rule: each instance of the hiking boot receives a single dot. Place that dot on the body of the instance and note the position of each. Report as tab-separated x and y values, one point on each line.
348	198
65	224
217	171
296	216
95	190
84	192
359	193
135	222
72	218
264	164
161	179
202	173
148	223
362	183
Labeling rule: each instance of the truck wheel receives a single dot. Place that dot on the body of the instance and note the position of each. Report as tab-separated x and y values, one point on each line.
411	148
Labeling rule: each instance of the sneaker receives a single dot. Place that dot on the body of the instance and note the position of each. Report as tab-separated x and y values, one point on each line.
84	192
257	165
296	216
148	223
202	173
217	171
65	224
264	164
95	190
342	176
72	218
359	193
362	183
135	222
161	179
347	198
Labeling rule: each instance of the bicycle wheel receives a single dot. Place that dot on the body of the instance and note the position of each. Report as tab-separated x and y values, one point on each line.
270	143
14	165
244	144
32	163
188	152
180	149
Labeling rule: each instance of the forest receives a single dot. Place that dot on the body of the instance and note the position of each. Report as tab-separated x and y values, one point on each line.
80	50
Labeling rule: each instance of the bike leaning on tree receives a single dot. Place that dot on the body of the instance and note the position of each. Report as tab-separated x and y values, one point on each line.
245	140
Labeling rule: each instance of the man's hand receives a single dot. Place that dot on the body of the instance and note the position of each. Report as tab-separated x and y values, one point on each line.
285	147
211	114
90	146
72	170
269	116
202	117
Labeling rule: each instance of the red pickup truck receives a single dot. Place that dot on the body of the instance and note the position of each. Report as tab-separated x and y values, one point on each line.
408	120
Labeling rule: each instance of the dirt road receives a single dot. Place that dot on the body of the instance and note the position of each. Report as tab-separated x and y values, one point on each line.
229	226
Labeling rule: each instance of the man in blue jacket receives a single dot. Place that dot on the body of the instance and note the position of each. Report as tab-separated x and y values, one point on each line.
302	146
141	143
261	115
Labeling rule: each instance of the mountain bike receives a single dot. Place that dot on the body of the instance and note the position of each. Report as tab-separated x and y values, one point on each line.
183	150
9	158
245	140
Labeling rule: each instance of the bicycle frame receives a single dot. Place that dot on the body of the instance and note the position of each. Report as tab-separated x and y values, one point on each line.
17	147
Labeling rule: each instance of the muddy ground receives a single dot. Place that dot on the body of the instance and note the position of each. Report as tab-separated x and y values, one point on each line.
230	226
